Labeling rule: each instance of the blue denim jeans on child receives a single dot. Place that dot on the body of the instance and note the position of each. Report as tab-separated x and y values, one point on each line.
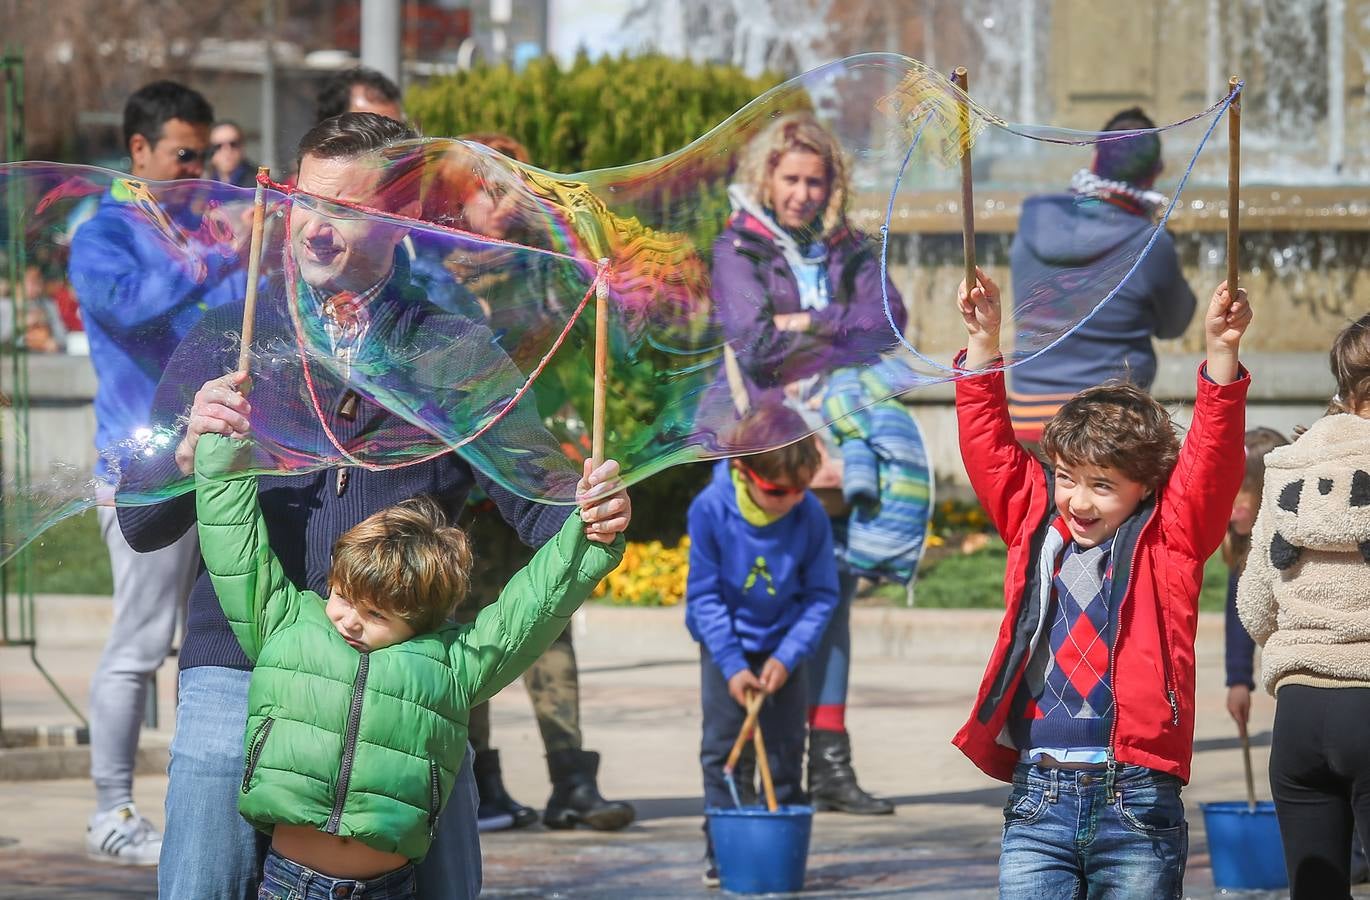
284	879
1064	837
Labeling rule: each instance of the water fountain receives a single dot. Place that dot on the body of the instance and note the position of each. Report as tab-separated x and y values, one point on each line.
1306	148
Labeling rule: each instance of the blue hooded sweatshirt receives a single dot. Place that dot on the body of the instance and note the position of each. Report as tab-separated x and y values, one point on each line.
769	589
1058	236
137	303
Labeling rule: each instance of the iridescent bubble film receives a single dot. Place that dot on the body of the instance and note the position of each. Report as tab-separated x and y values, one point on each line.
440	297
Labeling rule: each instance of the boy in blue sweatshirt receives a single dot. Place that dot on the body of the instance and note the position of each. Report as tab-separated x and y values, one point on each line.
761	588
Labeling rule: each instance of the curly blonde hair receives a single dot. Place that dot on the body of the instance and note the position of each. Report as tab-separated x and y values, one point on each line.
795	133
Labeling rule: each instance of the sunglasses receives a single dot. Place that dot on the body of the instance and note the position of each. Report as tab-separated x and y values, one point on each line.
186	156
768	488
232	145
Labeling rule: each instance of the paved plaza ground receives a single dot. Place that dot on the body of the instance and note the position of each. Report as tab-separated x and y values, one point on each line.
912	684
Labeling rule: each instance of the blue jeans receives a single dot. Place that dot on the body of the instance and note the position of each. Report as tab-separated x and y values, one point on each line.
209	852
285	879
1064	838
782	727
830	665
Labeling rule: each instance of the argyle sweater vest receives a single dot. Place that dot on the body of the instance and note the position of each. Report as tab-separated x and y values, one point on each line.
1065	700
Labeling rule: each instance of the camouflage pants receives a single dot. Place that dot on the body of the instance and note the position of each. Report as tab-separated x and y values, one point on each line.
554	687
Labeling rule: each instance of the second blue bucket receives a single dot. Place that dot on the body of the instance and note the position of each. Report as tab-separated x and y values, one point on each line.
1244	846
761	852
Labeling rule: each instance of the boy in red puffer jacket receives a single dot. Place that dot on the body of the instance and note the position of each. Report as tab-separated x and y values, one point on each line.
1087	705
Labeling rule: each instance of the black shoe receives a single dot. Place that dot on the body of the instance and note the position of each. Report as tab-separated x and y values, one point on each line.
575	797
710	878
497	809
1360	866
832	782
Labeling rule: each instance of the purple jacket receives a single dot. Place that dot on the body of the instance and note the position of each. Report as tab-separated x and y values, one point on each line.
752	283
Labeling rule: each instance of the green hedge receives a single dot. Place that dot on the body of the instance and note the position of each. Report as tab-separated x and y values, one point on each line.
610	112
594	115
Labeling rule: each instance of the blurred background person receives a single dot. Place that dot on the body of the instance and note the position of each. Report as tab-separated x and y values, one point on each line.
1105	219
228	160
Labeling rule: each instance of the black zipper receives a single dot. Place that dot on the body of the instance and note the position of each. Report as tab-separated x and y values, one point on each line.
435	799
1113	650
354	717
1005	677
1170	695
255	754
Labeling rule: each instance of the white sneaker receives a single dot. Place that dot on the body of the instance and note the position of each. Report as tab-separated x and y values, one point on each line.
123	837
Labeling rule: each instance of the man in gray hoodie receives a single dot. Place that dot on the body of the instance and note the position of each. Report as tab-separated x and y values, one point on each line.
1095	231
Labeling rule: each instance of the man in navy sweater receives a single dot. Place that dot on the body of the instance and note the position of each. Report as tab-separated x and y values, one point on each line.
211	852
1099	227
137	303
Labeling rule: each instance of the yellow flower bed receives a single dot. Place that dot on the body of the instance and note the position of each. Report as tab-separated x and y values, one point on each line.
651	574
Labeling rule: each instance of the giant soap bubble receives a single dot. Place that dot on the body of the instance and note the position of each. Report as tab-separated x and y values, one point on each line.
461	316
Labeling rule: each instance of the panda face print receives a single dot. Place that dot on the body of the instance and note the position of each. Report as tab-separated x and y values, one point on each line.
1323	511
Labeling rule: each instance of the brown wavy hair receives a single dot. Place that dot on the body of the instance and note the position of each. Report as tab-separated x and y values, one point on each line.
796	462
1350	360
1114	426
406	560
797	132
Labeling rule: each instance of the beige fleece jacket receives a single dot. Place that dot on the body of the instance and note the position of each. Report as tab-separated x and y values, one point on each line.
1305	595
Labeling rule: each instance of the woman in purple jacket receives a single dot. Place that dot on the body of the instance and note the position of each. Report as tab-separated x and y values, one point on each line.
797	293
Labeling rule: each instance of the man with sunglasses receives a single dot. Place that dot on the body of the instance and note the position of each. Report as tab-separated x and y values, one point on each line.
134	322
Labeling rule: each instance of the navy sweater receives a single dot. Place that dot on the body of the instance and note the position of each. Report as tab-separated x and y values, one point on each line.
1240	649
757	589
305	513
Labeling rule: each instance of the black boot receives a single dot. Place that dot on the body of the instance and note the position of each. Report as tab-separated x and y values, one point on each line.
832	783
497	809
575	797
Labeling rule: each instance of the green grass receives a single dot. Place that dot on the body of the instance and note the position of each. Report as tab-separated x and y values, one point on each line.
69	558
976	581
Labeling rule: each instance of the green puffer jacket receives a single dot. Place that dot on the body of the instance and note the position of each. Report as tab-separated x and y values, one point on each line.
366	745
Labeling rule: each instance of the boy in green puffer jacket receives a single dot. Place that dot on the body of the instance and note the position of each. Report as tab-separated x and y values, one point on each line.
357	711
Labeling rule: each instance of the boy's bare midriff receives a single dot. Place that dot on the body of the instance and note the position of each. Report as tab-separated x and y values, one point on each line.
330	854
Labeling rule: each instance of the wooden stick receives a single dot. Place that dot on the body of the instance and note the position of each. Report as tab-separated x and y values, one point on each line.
601	363
763	765
753	710
960	78
1234	186
1246	761
254	262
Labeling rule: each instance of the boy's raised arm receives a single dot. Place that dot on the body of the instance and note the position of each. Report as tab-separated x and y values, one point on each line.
1007	479
252	588
508	635
1209	470
982	313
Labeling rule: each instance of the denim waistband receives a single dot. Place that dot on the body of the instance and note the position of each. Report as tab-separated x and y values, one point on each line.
400	881
1084	779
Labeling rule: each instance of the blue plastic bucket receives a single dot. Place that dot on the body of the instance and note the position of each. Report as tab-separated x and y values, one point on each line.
761	852
1244	846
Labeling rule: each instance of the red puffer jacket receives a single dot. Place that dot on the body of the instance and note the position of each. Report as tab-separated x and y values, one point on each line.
1159	553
